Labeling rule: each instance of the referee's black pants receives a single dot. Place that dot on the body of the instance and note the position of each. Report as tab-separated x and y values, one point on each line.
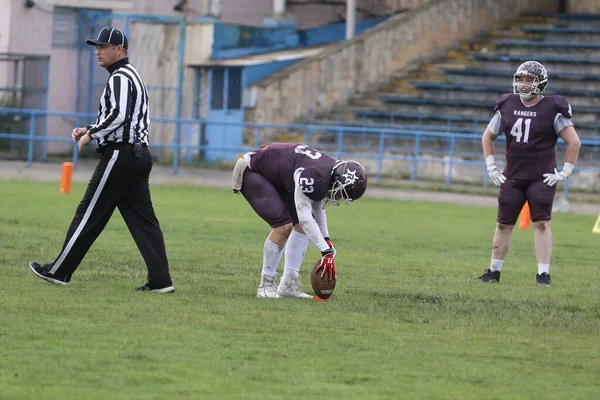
120	180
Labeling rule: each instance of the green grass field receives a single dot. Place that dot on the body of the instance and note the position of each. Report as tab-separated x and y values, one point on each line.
408	320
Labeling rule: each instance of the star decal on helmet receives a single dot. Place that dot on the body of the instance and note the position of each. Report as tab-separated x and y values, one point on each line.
349	177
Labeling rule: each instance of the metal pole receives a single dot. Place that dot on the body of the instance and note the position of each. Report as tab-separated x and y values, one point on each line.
16	83
278	7
90	77
178	111
215	8
31	139
380	156
350	18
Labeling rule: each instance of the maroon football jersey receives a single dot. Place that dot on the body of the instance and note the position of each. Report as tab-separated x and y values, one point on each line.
277	162
530	135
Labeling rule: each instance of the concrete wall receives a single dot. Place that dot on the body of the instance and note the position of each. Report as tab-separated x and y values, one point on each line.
309	13
37	39
158	66
366	61
5	67
583	6
5	7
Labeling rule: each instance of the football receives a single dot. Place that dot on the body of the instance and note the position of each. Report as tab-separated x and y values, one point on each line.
323	287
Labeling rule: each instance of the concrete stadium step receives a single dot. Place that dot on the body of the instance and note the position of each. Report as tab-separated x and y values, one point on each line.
555	64
429	90
566	20
425	71
399	123
420	105
482	93
448	91
562	33
430	108
457	92
546	48
557	83
516	33
383	117
436	119
443	122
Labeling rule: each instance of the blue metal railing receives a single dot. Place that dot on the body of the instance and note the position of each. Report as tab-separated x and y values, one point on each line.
375	149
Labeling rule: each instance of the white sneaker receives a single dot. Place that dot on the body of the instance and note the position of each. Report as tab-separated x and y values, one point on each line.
267	288
290	285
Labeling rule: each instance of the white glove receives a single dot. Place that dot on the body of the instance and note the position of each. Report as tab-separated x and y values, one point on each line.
493	171
553	178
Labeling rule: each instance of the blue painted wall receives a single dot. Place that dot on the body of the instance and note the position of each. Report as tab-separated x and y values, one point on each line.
234	41
255	73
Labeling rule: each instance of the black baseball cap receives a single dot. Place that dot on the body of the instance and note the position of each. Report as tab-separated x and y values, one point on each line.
108	35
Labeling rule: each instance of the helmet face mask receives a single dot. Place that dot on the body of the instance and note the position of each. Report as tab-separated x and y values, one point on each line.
337	195
349	183
535	85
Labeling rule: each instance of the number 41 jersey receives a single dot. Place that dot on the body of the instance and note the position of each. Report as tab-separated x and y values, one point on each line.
278	162
530	134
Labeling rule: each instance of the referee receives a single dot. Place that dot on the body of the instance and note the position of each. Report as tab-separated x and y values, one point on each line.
121	176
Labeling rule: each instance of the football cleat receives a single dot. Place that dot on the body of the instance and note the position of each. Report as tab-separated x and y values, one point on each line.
267	288
290	285
543	279
490	276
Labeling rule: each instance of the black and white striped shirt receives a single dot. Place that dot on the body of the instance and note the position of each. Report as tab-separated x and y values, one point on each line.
123	115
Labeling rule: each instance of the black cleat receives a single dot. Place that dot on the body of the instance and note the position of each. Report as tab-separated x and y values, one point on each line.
156	289
43	271
543	279
490	276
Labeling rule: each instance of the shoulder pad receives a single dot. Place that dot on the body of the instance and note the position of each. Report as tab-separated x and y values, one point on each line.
312	184
563	106
502	100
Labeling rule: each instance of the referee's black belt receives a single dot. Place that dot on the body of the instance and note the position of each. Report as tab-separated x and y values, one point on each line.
120	145
117	146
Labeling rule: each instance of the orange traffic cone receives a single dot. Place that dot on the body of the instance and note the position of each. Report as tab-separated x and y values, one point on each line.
525	217
65	181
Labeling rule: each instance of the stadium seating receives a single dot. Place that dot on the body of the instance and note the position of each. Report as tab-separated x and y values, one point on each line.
457	92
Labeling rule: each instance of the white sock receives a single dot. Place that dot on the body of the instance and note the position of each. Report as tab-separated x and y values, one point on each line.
295	250
271	256
543	268
496	265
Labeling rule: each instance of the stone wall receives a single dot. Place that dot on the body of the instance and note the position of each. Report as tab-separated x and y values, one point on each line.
365	62
583	6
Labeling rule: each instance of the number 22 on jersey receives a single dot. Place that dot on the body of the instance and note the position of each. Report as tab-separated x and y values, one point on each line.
517	130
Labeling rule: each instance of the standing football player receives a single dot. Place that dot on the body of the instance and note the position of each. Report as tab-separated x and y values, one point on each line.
288	185
532	124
